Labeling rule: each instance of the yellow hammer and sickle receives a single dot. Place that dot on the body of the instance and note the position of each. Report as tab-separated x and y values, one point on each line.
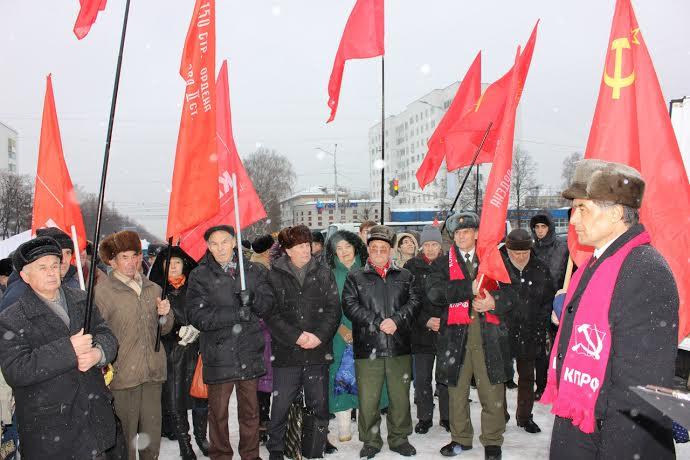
618	81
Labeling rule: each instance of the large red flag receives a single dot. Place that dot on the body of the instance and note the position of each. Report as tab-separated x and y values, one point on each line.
251	209
194	198
362	38
55	203
88	11
466	135
465	98
631	125
497	196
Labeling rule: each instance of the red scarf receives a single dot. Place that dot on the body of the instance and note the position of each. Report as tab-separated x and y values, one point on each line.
177	281
382	271
459	313
584	365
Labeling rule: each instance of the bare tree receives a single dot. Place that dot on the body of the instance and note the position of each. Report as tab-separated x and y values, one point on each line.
16	203
523	180
274	179
469	199
569	168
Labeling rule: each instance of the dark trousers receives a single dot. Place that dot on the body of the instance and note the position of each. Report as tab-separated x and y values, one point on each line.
287	382
264	406
423	393
525	396
247	416
541	363
616	437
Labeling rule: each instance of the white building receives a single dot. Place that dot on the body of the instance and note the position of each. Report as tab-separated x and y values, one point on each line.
8	148
315	208
407	134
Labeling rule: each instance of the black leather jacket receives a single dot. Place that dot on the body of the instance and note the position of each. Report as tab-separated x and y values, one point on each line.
368	299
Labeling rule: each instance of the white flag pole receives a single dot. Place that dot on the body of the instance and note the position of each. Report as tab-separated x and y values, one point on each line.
238	231
80	272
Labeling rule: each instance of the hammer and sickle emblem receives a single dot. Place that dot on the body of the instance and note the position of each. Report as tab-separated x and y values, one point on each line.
590	349
618	81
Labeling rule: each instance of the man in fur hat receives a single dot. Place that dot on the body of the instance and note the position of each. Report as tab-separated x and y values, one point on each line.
618	328
131	304
472	341
381	301
63	407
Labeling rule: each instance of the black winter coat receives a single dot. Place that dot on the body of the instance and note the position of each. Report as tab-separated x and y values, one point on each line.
312	307
529	299
552	250
16	287
423	339
62	413
643	318
231	340
368	299
452	339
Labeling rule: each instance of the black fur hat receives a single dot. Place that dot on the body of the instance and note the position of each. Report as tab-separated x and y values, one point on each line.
262	244
34	249
58	235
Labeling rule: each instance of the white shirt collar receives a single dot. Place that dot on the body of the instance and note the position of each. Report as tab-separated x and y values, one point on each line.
601	250
471	253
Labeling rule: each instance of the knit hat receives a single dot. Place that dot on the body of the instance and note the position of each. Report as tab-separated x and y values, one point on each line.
606	181
317	237
116	243
262	244
292	236
519	240
219	228
62	238
431	233
34	249
381	233
462	219
6	267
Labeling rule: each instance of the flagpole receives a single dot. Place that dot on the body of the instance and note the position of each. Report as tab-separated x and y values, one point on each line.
164	294
77	255
383	136
467	174
104	174
238	232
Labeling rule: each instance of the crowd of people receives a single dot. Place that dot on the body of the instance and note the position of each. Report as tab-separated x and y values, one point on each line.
304	330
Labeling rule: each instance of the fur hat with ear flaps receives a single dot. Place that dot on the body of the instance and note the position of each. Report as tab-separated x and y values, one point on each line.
116	243
292	236
606	181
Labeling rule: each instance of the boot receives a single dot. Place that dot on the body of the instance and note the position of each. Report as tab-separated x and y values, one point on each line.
200	422
181	427
344	422
167	430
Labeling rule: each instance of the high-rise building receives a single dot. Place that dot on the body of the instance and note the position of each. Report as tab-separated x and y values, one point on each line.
8	148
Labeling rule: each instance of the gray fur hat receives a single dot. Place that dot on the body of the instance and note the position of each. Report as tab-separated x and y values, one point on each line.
382	233
462	219
606	181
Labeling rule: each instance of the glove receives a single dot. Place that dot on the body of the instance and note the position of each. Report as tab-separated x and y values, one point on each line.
188	334
246	298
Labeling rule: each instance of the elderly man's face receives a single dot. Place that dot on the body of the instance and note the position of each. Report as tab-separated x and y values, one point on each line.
221	244
379	252
43	275
299	254
594	225
127	263
519	258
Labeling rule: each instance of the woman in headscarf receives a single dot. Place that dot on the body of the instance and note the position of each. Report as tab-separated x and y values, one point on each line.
182	351
406	248
345	251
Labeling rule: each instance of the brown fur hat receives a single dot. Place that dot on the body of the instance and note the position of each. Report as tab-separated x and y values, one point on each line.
292	236
606	181
116	243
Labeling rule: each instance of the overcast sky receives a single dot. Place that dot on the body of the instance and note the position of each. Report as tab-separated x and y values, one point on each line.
280	55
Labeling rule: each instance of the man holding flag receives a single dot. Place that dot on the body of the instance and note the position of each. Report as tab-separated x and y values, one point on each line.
618	328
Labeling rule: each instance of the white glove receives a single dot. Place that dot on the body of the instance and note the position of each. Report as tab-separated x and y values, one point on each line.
188	334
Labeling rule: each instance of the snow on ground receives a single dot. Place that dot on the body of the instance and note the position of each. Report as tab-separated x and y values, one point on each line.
518	444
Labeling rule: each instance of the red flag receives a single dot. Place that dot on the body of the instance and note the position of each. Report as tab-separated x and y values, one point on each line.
55	203
88	11
497	196
194	198
631	125
251	209
465	98
362	38
463	139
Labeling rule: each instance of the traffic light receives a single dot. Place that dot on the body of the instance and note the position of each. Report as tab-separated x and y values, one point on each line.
393	187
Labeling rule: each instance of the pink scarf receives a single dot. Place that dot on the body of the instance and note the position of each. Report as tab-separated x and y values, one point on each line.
459	313
584	365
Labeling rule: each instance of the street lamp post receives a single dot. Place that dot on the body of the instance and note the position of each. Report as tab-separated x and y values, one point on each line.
335	176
